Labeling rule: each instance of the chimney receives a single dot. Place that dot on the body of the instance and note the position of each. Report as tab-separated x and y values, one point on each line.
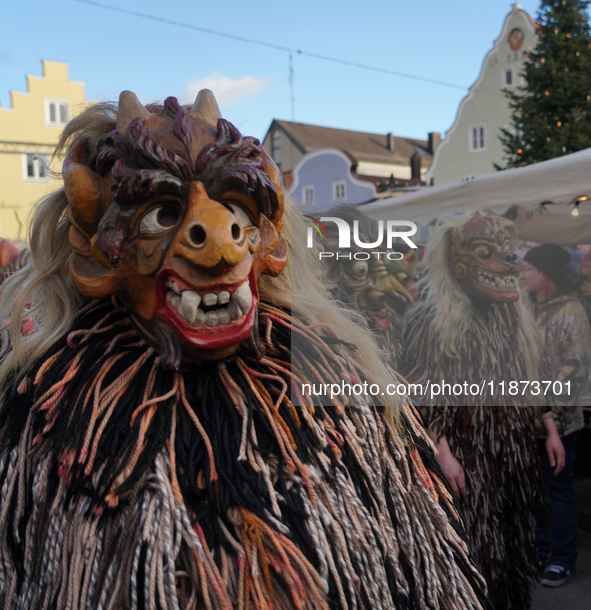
391	144
415	166
434	140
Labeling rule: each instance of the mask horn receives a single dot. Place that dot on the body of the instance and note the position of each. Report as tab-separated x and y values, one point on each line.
206	108
130	108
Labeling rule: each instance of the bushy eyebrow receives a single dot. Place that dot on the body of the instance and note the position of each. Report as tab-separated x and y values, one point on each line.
139	184
235	161
143	168
137	150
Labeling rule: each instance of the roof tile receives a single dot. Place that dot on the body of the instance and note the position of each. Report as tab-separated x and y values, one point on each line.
362	146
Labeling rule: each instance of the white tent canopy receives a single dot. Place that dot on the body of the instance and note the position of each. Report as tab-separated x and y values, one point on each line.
542	195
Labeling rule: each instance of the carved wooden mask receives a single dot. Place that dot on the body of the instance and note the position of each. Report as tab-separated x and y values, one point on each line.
177	215
482	259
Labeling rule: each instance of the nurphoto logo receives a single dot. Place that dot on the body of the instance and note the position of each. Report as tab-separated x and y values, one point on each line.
390	233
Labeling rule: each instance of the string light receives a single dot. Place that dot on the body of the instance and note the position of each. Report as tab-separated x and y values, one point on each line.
559	123
580	199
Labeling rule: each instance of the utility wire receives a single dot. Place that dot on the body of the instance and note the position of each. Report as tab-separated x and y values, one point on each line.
291	88
269	45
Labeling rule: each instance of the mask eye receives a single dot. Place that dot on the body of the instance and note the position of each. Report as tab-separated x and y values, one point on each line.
160	219
359	270
241	214
482	252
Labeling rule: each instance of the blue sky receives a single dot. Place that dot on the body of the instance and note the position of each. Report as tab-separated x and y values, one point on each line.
110	51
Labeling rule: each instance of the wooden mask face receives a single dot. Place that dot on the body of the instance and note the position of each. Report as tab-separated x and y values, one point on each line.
178	215
482	259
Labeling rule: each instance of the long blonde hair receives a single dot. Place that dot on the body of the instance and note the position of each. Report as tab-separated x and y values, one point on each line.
44	292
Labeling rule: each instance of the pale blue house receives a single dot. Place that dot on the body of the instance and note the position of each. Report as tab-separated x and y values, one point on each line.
324	177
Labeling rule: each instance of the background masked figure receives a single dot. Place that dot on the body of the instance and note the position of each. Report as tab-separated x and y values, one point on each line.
11	258
378	286
150	455
471	328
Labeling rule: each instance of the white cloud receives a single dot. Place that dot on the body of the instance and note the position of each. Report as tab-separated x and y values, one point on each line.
227	90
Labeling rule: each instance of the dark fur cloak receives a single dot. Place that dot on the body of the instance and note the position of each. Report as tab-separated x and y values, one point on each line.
495	444
127	485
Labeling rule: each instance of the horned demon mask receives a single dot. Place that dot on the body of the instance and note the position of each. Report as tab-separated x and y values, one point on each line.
178	215
482	259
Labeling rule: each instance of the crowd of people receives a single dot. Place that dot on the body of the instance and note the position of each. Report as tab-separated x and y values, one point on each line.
157	449
487	315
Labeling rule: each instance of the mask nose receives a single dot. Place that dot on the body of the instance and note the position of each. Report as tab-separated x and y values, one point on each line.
210	233
197	234
509	259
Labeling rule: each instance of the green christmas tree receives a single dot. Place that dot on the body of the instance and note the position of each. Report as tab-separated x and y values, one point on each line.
551	113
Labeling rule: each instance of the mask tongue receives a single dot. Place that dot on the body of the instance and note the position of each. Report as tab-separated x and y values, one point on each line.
381	320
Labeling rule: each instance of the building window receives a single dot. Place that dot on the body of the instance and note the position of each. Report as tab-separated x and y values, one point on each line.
308	194
338	191
37	167
477	138
508	79
276	146
57	112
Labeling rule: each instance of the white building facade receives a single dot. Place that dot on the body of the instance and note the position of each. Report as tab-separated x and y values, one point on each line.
472	145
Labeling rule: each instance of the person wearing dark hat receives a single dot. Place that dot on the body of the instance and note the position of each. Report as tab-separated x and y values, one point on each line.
550	278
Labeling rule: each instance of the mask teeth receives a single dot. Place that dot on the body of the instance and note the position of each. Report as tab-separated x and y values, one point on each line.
497	281
187	303
243	298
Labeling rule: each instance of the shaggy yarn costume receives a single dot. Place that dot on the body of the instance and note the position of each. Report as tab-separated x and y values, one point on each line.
486	353
493	443
124	484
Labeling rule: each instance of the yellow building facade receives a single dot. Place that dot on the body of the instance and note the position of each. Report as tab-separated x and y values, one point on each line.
29	132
